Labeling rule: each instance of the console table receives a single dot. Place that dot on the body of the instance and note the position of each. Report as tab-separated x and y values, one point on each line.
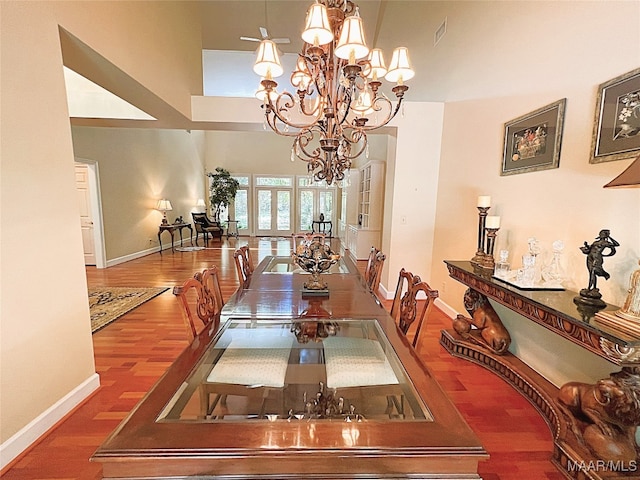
171	228
324	226
556	311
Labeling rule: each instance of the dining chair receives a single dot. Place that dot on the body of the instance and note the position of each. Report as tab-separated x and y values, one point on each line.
404	308
201	299
244	265
374	269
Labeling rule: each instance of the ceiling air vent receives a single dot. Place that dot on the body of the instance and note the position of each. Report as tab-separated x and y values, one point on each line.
442	29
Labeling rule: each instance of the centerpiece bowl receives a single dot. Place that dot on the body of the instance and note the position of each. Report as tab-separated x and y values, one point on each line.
315	257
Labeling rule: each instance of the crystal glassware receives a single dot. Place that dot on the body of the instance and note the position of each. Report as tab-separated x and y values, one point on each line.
502	266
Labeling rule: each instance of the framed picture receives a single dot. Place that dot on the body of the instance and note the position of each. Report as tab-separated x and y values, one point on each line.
616	132
532	142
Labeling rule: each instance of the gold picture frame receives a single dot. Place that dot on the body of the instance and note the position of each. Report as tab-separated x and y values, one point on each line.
532	142
616	131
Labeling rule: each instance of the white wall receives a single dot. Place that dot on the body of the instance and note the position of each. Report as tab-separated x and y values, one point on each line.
46	354
138	167
536	63
410	192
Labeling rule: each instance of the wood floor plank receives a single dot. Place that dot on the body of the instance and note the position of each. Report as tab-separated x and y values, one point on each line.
134	351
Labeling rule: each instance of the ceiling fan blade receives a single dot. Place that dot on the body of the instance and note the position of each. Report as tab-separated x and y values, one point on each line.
263	32
281	40
250	39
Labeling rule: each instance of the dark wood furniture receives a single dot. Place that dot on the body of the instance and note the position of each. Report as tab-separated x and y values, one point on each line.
324	226
171	228
206	227
201	300
244	265
556	311
405	309
373	269
167	435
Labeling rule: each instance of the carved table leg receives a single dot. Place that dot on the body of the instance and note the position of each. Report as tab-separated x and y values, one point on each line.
489	330
604	416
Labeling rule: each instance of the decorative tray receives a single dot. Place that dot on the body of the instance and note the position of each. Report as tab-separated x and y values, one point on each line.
537	286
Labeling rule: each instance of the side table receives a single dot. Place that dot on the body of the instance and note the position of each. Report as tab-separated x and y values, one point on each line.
324	226
171	228
232	228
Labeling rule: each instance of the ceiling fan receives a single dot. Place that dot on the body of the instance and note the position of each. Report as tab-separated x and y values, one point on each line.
265	35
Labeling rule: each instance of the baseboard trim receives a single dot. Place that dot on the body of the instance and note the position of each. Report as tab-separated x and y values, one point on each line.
446	308
30	433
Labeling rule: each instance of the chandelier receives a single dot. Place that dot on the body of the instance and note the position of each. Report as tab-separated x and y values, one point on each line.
338	98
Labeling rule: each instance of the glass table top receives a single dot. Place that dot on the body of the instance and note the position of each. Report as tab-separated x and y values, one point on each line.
285	265
297	370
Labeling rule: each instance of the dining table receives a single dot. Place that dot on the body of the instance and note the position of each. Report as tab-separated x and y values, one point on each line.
296	384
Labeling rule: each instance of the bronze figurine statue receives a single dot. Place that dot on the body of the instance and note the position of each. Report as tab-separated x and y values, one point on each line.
603	246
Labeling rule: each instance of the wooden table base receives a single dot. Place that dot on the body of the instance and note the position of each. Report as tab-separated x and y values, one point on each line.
569	456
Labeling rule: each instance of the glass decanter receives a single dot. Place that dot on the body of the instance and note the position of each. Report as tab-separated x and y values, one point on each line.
553	274
502	266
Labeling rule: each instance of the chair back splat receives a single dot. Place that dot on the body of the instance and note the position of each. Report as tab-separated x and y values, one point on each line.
201	301
404	308
244	265
374	269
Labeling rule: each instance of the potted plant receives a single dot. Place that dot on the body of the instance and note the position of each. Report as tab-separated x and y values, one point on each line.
222	190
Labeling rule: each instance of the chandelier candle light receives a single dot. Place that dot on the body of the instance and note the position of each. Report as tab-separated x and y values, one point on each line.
338	98
484	204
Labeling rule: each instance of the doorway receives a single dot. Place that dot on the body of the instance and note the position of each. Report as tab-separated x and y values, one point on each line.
89	207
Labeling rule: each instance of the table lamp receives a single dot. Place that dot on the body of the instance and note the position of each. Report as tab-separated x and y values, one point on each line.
201	206
164	206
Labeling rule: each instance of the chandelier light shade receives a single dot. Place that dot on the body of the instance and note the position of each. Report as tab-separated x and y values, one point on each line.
400	68
267	63
378	67
352	45
317	30
337	97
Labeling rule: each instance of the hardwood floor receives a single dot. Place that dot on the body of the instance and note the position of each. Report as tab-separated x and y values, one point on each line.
134	351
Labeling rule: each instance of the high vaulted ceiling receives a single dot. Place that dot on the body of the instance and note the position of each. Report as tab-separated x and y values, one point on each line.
388	24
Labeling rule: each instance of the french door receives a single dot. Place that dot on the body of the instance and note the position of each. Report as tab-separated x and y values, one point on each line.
312	202
274	215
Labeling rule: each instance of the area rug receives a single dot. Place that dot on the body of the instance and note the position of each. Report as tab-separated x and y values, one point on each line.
188	249
107	304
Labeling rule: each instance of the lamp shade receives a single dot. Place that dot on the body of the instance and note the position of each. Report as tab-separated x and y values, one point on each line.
261	94
378	67
267	63
630	177
164	205
317	30
400	67
363	104
200	203
352	45
301	77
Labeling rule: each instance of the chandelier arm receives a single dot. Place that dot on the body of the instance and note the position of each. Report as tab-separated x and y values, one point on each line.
274	111
390	116
355	141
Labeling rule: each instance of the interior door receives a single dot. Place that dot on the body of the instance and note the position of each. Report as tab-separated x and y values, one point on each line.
83	190
274	211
